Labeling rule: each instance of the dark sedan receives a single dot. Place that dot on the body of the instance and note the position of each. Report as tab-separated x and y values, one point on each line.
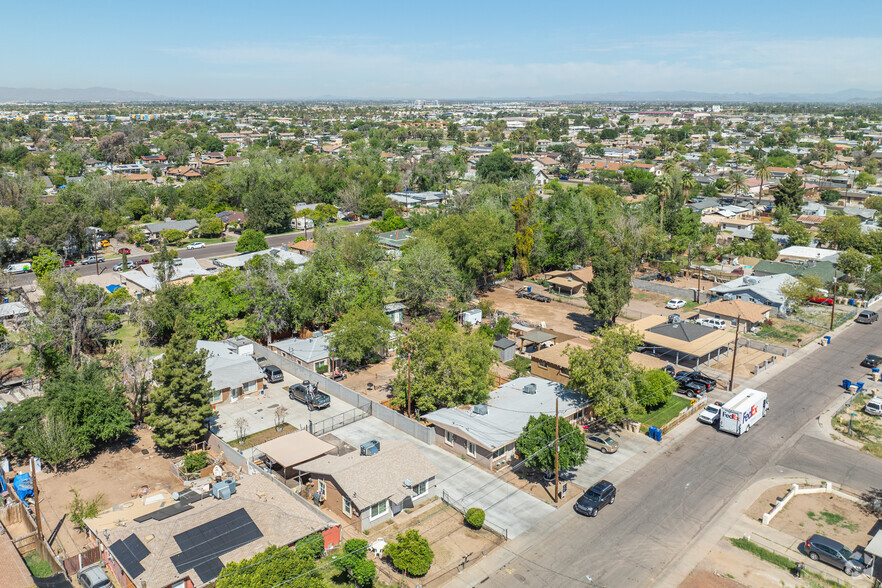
871	361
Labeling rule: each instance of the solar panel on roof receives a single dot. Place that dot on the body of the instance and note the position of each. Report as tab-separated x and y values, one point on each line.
129	562
202	546
135	547
161	514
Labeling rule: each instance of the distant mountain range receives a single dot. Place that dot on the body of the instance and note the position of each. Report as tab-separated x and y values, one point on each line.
99	94
79	95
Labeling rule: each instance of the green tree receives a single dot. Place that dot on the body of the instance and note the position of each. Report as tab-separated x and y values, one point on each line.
664	189
271	567
790	192
500	166
354	565
173	236
448	367
570	157
536	444
211	226
179	404
798	290
763	244
53	439
831	196
213	300
737	183
478	241
610	290
606	376
251	241
362	334
653	388
426	275
864	179
796	232
45	263
269	210
840	231
853	263
410	553
762	172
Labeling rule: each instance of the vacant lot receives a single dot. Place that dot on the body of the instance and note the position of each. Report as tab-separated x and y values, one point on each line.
567	318
114	474
826	514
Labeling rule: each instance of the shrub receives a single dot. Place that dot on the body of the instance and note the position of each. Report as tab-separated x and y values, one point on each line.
195	461
80	509
311	546
354	565
410	553
474	518
322	369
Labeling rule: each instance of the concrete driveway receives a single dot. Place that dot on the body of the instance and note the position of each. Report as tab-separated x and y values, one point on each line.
259	409
505	506
598	465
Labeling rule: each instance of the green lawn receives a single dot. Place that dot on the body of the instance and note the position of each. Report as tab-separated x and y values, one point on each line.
127	336
519	364
663	414
206	240
691	306
38	566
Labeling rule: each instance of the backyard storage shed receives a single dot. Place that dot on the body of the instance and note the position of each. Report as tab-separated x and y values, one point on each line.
505	348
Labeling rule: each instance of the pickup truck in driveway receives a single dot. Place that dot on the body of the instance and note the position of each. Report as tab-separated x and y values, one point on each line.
309	394
695	383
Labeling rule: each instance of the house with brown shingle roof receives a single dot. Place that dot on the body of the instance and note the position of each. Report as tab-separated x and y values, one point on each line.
752	314
183	172
570	282
372	487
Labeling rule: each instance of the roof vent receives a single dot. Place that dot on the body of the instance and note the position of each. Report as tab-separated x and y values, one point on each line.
407	483
530	389
370	448
480	409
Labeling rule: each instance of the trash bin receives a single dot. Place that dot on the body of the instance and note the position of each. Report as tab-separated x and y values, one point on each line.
860	386
827	337
846	384
529	288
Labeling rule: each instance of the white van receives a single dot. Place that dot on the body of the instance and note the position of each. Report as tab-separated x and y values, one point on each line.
743	411
715	323
874	406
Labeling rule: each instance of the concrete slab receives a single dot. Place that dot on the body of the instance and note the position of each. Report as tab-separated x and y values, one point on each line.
258	410
505	506
598	465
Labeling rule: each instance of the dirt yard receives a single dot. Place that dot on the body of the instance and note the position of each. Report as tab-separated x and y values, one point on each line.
746	361
570	318
113	473
701	578
379	375
726	566
826	514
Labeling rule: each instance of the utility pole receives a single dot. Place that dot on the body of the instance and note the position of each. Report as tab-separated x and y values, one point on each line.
36	500
556	448
833	306
734	353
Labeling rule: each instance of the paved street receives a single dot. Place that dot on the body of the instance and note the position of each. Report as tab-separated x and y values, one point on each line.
662	507
210	251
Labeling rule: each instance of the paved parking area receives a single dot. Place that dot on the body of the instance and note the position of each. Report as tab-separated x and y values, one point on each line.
259	409
505	506
598	465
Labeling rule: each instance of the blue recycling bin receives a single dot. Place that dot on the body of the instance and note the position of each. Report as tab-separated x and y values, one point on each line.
846	384
529	288
851	301
655	433
860	386
827	337
875	370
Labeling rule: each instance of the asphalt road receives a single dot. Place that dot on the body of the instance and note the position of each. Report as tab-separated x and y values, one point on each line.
660	509
210	251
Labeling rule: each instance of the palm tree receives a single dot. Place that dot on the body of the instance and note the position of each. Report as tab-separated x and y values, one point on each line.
737	183
688	183
664	187
669	165
761	170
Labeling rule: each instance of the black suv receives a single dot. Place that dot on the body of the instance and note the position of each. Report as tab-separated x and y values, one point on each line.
820	548
273	374
595	498
871	361
308	393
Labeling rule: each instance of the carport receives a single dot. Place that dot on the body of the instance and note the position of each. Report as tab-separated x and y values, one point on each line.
874	548
682	341
282	454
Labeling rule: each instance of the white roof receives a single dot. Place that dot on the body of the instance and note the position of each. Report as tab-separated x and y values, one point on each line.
187	267
767	287
743	400
226	368
13	309
309	350
803	252
508	410
280	255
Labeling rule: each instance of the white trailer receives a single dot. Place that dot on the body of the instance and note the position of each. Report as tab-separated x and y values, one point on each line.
743	411
18	268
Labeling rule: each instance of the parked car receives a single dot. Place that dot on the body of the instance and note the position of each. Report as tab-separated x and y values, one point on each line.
196	245
105	243
92	259
69	263
714	323
309	394
820	548
675	303
867	317
142	261
125	250
710	414
688	385
738	271
93	577
871	361
821	300
595	498
119	266
273	374
874	406
602	444
708	382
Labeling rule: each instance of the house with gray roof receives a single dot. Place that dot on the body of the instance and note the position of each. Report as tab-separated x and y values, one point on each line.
277	254
312	353
232	371
486	433
760	289
373	485
154	229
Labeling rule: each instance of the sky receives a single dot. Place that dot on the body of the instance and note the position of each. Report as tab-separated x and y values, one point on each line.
441	50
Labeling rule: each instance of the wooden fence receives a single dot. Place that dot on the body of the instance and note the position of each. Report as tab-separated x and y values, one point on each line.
684	414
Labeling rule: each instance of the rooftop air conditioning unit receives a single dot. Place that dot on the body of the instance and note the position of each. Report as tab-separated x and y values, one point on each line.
530	389
370	448
480	409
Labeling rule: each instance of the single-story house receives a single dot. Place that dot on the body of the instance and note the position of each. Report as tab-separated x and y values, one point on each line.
313	352
570	282
553	363
183	173
154	229
280	255
802	253
375	485
283	454
824	270
683	341
417	199
734	224
394	239
505	347
232	216
486	433
13	312
305	248
395	312
232	374
166	543
534	340
145	278
762	290
752	314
